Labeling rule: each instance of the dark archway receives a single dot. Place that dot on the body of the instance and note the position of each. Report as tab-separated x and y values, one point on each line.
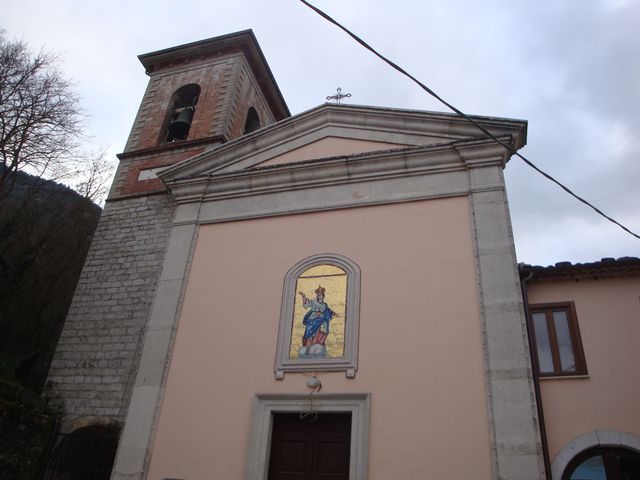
604	463
252	122
85	454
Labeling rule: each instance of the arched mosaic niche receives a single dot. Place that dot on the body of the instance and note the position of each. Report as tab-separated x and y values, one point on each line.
319	316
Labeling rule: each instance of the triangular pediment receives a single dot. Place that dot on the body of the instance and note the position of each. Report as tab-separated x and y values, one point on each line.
330	146
329	131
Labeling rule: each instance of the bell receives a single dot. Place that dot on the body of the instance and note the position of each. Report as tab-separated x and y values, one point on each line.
179	127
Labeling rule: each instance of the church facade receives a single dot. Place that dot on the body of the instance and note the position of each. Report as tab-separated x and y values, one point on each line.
333	294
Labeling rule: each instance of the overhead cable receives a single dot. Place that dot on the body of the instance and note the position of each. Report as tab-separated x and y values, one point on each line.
465	116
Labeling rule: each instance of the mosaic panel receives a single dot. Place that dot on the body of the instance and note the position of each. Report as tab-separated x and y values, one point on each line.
319	313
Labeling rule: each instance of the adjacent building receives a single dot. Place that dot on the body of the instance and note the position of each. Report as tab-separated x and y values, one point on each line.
585	324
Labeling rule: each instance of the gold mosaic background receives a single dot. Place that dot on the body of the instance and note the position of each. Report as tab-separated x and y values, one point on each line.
334	281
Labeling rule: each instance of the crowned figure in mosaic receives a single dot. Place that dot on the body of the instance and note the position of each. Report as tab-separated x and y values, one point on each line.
316	323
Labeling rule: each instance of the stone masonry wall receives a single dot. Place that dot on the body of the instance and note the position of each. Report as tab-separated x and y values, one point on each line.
96	360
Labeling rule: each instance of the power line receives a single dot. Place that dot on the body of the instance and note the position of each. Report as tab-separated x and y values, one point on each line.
564	207
463	115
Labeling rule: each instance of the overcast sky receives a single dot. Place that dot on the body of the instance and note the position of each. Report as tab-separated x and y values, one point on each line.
569	67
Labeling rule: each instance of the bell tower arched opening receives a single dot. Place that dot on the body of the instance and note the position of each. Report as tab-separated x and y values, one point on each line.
180	113
252	123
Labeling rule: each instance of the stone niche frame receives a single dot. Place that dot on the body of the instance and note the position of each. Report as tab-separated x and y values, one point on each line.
266	405
349	362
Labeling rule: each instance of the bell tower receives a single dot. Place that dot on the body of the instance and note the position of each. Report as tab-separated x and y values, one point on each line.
199	95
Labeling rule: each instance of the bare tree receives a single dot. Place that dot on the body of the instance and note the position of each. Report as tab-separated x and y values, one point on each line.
45	227
41	122
91	176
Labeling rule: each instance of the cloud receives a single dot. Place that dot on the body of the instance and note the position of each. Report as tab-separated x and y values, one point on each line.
570	68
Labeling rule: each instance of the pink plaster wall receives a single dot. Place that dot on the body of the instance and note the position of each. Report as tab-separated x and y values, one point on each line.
420	341
608	312
329	147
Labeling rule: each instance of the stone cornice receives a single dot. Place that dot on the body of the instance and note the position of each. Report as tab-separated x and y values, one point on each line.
177	147
342	170
373	123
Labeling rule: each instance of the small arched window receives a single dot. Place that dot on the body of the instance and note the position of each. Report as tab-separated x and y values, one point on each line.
604	463
319	316
252	123
88	452
180	113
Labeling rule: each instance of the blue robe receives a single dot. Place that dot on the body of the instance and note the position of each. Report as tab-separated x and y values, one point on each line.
314	320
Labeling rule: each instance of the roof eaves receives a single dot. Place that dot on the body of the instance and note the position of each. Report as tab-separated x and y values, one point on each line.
606	267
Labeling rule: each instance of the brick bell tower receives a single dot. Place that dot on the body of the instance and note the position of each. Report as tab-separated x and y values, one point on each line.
200	95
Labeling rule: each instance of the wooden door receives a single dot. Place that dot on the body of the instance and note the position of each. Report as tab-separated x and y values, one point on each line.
313	448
